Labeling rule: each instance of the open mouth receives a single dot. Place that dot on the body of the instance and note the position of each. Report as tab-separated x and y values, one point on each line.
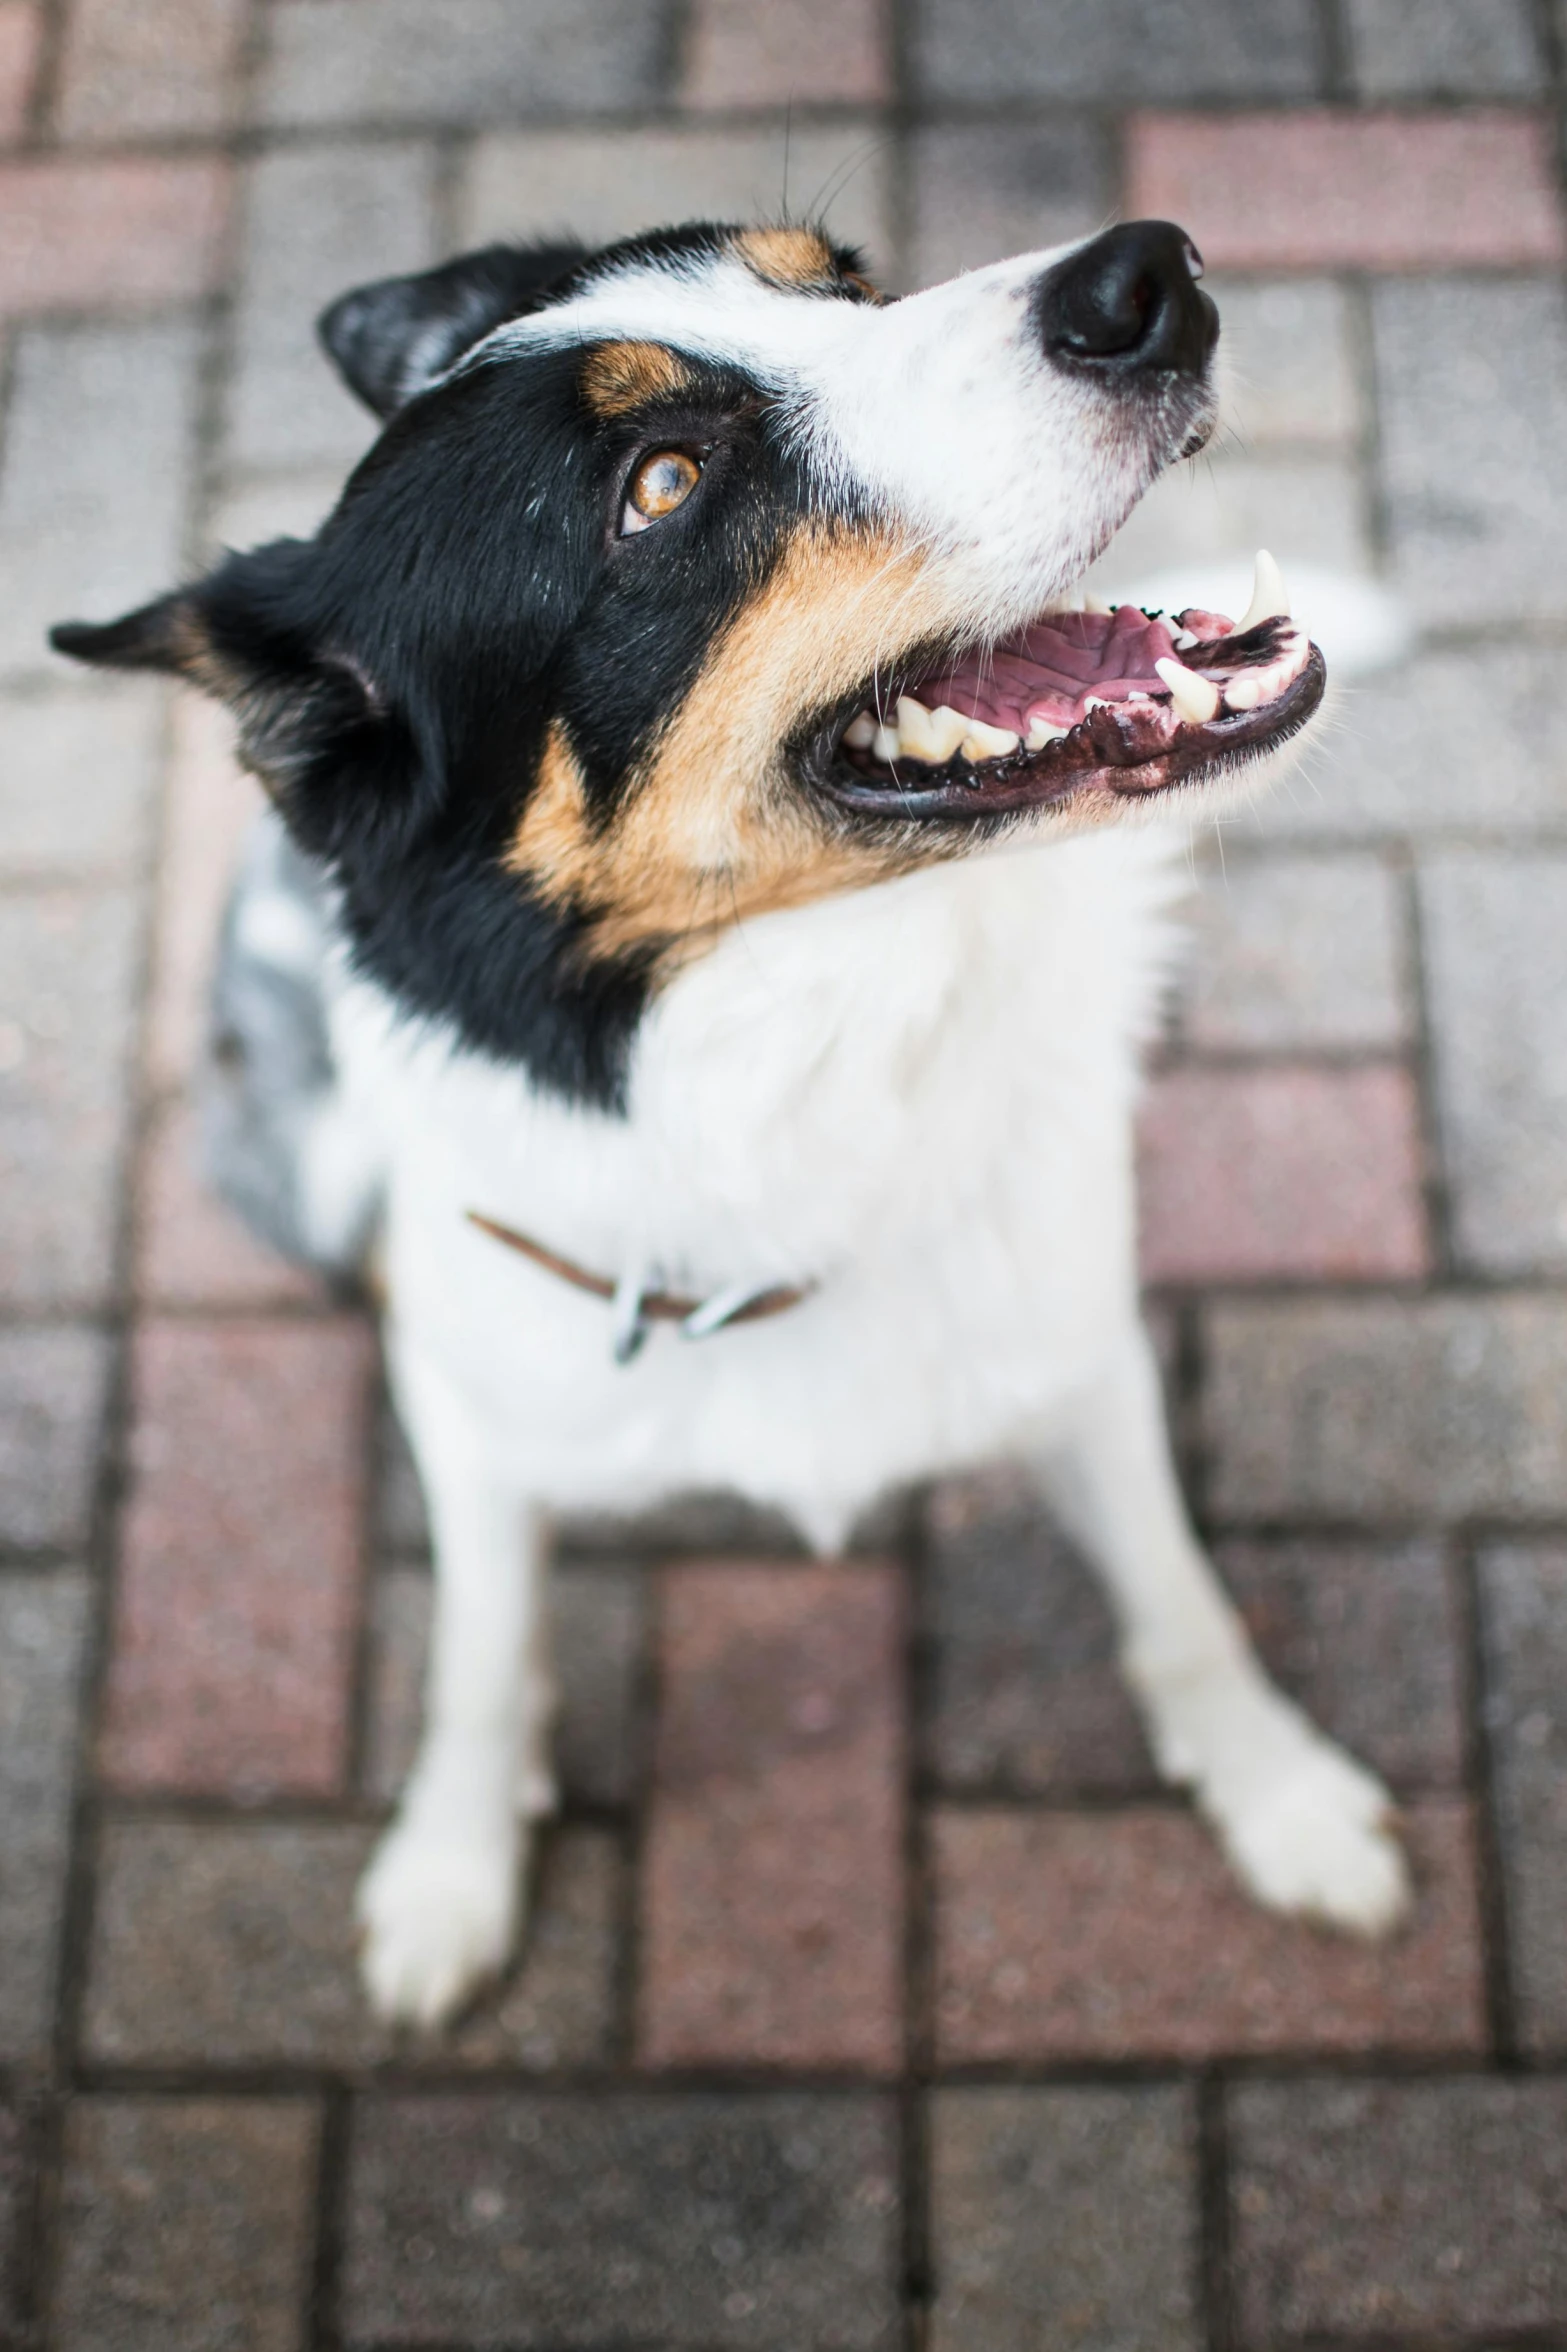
1130	701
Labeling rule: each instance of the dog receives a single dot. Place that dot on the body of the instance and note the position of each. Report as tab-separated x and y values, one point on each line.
703	943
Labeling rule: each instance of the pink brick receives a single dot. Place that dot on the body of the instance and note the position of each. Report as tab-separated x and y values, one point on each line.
155	67
1073	1936
1292	1173
209	807
110	235
239	1573
192	1251
738	54
20	28
772	1900
1323	190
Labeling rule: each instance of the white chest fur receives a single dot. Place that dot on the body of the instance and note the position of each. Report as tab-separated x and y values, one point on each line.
918	1098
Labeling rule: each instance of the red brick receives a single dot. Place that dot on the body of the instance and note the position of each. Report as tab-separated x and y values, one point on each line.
1321	190
794	50
772	1896
239	1576
208	809
20	27
162	66
1294	1173
1096	1935
111	235
192	1250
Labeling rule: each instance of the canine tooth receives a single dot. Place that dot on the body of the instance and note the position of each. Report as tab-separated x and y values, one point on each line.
1196	699
885	745
1269	596
1042	731
987	743
860	733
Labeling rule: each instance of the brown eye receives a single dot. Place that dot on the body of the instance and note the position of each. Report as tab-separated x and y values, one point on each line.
660	484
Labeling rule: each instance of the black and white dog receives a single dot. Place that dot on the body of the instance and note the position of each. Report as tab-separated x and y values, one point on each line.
702	937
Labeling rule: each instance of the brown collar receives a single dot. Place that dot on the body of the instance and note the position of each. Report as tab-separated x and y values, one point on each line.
700	1316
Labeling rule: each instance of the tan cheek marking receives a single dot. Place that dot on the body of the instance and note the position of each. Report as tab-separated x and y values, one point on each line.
788	257
618	378
713	829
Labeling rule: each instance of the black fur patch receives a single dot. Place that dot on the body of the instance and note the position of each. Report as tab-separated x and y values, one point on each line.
396	677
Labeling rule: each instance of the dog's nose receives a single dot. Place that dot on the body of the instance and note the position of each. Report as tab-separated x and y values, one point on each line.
1129	302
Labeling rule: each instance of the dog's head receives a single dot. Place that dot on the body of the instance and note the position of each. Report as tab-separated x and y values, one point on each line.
689	580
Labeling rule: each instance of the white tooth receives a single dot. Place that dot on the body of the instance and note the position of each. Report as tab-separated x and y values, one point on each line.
1196	699
1095	702
915	732
1185	639
1247	692
885	745
1096	604
1269	596
860	733
949	728
987	743
1042	731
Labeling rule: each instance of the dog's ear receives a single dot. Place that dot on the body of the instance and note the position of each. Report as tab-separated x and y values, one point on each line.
347	770
390	340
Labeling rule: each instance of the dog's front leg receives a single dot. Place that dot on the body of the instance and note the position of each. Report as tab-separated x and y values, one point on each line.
440	1903
1303	1824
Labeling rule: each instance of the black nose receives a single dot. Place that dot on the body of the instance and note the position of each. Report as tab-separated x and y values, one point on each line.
1129	302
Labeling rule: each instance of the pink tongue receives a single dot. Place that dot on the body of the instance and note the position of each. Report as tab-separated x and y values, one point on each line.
1051	666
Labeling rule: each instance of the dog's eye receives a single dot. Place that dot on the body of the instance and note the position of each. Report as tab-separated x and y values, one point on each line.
660	484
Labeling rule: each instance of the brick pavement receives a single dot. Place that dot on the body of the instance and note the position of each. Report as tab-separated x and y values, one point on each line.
876	1996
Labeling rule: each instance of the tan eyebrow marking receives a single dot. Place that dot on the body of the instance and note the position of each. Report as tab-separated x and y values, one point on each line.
618	378
788	257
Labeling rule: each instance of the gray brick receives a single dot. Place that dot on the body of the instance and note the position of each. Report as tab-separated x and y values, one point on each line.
1027	1695
53	1384
597	1621
1473	383
1296	954
1398	2211
13	2209
1523	1597
43	1622
95	483
1495	933
1367	1638
1471	739
1286	360
738	2222
1421	1409
1115	50
603	184
1443	48
67	971
1307	508
982	194
79	776
317	220
163	66
1064	2219
365	61
233	1945
187	2225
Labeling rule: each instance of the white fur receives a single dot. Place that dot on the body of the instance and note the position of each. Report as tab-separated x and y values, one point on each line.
942	409
919	1097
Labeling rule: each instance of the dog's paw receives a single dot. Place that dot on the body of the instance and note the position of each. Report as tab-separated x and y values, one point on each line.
1312	1836
438	1915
